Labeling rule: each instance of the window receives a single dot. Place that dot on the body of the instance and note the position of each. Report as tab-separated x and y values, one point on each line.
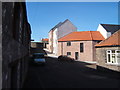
68	43
68	53
81	47
113	56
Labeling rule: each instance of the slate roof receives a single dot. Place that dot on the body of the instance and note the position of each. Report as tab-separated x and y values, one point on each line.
82	36
111	27
56	26
113	40
59	24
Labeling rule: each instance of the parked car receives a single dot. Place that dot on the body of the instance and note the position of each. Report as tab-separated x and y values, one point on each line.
39	58
65	58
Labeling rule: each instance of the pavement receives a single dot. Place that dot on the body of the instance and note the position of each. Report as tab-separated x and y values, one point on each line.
54	56
50	54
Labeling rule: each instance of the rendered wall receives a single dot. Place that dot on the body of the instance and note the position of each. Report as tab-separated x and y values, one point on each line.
103	31
66	28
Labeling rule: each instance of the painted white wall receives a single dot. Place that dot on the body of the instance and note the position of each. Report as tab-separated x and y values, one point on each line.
103	31
66	28
108	34
55	41
50	41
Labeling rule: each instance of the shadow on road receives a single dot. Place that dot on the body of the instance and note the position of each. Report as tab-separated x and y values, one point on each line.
58	74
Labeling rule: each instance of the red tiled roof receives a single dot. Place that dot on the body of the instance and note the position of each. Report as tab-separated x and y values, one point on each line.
113	40
46	39
83	35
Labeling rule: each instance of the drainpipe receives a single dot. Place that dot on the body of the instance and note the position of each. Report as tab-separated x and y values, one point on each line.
62	48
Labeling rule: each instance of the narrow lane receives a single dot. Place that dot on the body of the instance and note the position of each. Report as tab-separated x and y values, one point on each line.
56	74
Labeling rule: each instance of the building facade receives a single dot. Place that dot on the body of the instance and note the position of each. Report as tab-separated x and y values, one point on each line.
16	36
50	41
60	30
37	47
45	42
108	52
107	29
80	45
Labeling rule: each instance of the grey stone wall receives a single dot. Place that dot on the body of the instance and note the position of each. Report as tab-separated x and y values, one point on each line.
15	44
0	45
101	58
37	47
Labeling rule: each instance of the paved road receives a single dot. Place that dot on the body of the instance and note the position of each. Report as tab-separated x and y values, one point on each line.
56	74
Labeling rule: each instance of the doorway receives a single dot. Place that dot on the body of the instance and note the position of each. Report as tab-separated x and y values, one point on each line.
76	55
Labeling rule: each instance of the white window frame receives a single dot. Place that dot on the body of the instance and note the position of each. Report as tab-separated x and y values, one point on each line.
117	54
116	59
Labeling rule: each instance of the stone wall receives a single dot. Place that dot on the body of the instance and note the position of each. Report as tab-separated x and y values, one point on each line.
101	58
37	47
0	45
15	44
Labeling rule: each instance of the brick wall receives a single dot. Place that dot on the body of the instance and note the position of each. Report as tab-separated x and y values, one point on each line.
102	58
15	44
87	55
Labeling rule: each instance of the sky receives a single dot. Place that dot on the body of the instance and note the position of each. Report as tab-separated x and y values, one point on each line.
86	16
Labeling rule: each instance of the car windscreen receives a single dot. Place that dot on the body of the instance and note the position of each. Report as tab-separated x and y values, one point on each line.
38	56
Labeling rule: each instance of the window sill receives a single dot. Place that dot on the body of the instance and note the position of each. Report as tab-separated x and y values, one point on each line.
112	64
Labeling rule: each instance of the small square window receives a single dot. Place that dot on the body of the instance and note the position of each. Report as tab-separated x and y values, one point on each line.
68	53
68	43
113	51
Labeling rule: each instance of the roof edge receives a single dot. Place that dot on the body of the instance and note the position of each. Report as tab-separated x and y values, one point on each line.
107	38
